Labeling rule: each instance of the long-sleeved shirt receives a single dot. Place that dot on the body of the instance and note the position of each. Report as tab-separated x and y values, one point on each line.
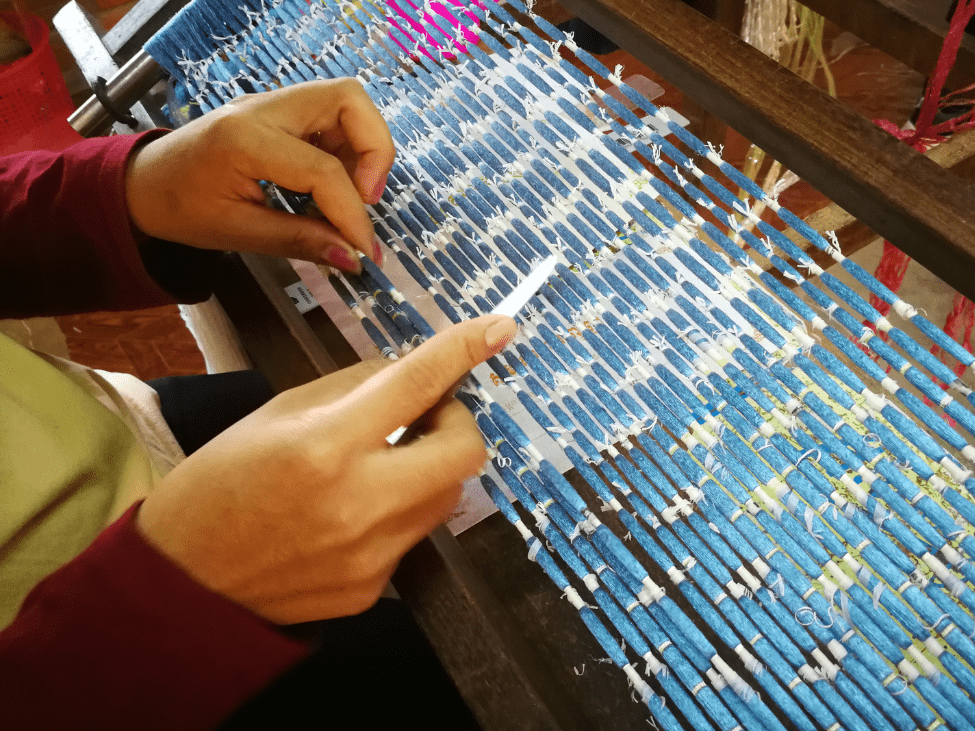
116	635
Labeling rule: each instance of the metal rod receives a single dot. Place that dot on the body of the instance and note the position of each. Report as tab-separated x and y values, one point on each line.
125	88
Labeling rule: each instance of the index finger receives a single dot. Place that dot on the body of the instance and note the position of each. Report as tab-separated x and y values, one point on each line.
408	388
304	168
368	135
341	111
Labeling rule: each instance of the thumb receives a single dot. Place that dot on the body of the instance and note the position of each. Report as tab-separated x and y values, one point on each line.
404	391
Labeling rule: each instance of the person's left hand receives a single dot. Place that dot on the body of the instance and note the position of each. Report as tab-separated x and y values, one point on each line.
199	184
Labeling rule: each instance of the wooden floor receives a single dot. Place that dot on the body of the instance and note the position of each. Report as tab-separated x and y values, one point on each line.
154	343
148	343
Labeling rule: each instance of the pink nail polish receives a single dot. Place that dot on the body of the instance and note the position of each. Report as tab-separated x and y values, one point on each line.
341	258
499	334
377	251
377	192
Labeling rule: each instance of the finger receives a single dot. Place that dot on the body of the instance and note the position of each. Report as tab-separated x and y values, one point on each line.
339	111
406	389
366	132
450	452
428	420
304	168
413	523
421	521
252	227
423	483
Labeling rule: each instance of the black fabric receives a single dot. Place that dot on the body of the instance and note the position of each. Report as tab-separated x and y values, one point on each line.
197	408
186	272
375	670
587	37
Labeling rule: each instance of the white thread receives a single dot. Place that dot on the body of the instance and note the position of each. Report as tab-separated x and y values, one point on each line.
939	620
877	591
533	549
903	687
809	452
872	440
812	617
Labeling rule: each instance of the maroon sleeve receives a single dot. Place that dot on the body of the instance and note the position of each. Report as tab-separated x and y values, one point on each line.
122	638
66	241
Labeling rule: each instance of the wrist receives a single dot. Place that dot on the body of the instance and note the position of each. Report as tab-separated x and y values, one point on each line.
139	186
185	272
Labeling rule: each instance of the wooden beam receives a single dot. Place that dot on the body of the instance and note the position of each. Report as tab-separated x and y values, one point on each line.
275	349
910	200
726	13
910	31
701	123
320	340
957	155
499	678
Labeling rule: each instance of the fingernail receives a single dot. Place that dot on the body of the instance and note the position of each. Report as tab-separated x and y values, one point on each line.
499	334
342	258
377	251
377	192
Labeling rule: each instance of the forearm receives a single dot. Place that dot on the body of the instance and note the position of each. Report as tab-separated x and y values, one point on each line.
122	638
67	243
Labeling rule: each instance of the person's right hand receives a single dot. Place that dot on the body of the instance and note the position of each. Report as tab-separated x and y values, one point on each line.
302	510
199	184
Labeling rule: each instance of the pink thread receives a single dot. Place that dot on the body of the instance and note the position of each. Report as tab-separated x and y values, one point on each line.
894	263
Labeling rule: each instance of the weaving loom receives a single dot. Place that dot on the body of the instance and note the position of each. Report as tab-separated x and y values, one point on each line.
801	482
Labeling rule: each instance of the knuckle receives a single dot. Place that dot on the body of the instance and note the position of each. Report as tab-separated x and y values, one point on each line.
293	459
227	131
452	497
329	460
329	166
349	86
464	425
364	598
368	564
306	460
236	103
474	450
224	125
342	536
473	351
470	451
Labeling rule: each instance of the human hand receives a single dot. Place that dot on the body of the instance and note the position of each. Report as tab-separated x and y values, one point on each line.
302	510
199	184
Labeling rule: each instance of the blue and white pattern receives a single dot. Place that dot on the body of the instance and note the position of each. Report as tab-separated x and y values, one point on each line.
802	482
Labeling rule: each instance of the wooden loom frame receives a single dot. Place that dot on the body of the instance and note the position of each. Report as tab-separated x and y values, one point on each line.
923	208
